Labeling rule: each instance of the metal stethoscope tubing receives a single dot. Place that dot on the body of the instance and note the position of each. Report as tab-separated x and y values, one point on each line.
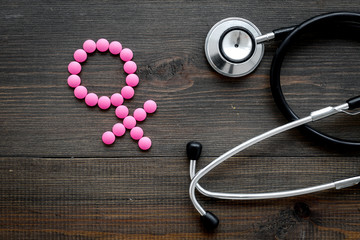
234	48
194	149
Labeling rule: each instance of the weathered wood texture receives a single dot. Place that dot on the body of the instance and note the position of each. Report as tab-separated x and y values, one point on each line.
59	181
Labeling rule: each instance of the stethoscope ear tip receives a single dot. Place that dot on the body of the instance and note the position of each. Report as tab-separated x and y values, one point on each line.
210	221
193	150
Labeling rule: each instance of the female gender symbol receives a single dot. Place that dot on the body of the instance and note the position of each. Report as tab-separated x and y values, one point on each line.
116	99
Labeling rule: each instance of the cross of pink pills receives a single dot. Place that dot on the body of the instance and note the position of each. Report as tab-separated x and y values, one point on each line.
117	99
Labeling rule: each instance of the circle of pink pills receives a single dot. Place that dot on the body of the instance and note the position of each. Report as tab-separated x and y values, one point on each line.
102	45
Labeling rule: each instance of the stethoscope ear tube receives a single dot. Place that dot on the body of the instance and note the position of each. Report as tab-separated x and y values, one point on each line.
194	150
345	19
209	220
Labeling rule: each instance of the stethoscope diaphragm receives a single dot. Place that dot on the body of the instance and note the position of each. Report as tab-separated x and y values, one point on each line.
231	48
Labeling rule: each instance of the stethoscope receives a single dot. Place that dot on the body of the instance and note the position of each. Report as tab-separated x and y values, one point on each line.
234	48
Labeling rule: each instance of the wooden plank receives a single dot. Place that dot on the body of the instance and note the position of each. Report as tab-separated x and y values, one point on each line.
135	198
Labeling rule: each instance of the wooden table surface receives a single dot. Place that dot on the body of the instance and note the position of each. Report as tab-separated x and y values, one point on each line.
59	181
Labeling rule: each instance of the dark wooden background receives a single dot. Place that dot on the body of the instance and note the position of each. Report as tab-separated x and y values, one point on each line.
59	181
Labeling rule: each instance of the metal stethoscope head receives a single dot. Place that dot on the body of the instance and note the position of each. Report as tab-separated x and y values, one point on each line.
233	47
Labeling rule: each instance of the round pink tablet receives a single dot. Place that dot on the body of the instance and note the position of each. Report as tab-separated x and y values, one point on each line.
80	92
127	92
132	80
118	129
91	99
80	55
150	106
130	67
136	133
116	99
89	46
129	122
115	47
144	143
139	114
104	102
126	54
102	45
73	81
121	111
74	67
108	138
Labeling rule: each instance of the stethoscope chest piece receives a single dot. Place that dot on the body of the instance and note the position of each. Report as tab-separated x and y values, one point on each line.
231	48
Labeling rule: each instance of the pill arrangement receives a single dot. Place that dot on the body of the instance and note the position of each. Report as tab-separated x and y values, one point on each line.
116	99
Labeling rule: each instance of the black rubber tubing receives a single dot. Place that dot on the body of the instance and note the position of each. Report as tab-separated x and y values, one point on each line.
349	20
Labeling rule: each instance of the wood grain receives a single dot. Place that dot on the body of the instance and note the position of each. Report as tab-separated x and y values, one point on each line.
58	180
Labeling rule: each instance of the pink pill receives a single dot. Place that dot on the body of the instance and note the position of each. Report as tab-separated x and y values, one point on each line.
80	92
139	114
118	129
116	99
121	111
80	55
150	106
136	133
129	122
115	47
108	138
89	46
132	80
126	54
130	67
73	81
91	99
127	92
144	143
102	45
104	102
74	67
